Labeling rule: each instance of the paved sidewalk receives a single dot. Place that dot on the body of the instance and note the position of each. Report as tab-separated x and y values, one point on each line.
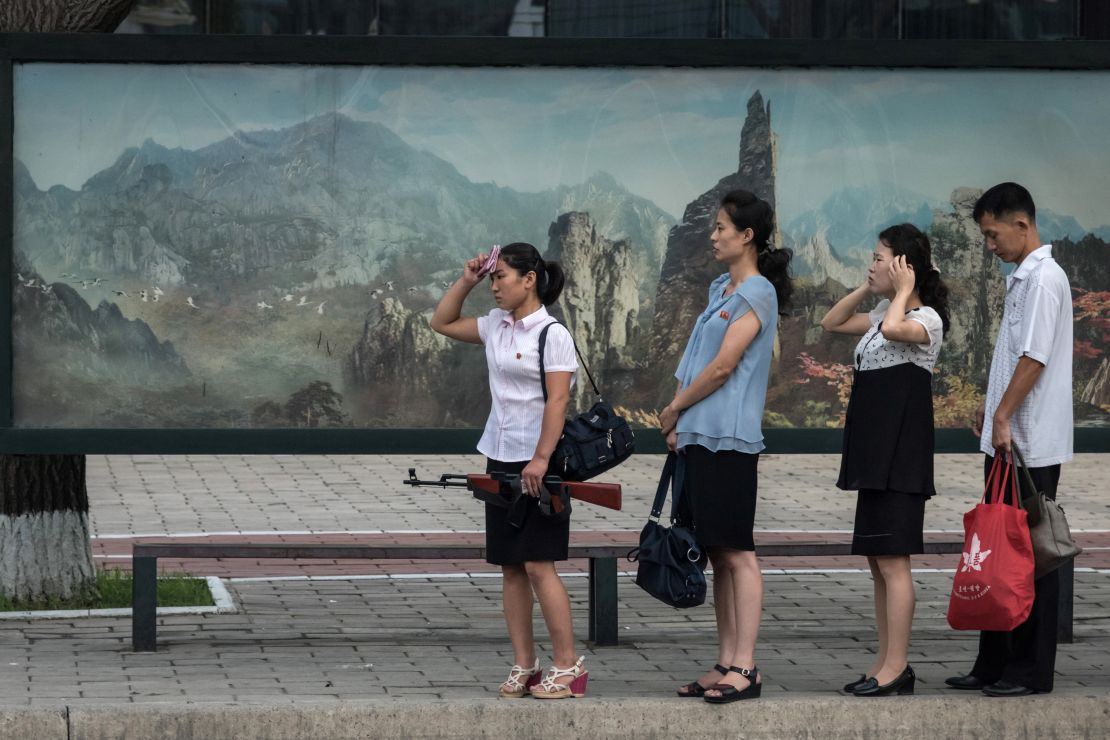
421	654
163	494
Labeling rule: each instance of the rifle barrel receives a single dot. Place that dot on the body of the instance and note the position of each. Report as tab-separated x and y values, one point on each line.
447	480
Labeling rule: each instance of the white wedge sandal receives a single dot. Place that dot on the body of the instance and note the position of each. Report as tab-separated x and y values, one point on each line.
550	688
520	680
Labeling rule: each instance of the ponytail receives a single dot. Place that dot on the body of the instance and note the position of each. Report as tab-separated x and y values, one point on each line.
552	283
934	293
774	264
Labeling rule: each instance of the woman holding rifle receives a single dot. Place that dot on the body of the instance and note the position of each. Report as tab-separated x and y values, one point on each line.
519	437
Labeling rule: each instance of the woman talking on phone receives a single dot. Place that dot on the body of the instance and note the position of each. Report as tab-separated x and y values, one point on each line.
888	434
519	437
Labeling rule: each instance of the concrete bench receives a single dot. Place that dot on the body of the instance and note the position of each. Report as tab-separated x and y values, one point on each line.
603	559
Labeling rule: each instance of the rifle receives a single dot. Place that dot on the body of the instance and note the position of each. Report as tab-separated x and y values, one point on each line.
504	490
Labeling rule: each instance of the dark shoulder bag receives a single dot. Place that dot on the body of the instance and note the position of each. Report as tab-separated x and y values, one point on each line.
1053	544
669	561
592	442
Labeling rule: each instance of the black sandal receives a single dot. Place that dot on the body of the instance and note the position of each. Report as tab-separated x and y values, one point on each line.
695	689
730	694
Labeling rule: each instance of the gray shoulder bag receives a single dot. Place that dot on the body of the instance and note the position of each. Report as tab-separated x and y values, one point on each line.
1053	544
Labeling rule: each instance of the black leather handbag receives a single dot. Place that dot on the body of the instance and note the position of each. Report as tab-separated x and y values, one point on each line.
593	442
669	561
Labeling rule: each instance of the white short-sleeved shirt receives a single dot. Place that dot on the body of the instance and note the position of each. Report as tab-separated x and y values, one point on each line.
513	361
1036	322
874	351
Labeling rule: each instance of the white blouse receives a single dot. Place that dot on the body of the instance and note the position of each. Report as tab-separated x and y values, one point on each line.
875	351
513	361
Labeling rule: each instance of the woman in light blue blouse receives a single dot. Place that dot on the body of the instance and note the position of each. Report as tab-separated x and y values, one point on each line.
715	420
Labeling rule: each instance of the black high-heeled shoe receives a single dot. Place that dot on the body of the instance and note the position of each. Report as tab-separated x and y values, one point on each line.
695	689
903	685
730	694
850	687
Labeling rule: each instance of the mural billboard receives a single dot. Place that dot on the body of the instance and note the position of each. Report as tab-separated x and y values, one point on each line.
261	246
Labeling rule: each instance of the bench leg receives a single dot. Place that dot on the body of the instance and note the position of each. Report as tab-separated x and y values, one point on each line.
144	605
603	601
1067	594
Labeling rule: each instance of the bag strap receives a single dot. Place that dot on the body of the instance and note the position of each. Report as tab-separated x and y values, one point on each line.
543	343
672	478
1023	470
665	479
677	484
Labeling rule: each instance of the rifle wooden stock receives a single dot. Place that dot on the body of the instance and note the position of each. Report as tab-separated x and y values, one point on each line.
607	495
600	494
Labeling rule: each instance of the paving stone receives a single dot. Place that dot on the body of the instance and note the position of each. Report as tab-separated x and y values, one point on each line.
436	639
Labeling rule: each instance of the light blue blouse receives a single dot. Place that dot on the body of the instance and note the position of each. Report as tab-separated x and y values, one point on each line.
731	417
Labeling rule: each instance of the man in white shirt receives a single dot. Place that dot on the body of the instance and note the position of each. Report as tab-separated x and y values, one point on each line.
1029	402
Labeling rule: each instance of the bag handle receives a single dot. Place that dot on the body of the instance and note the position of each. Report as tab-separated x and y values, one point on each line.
1031	504
1001	481
992	489
671	478
1023	469
543	343
678	484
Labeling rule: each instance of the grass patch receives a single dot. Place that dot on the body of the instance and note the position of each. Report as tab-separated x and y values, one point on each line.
113	591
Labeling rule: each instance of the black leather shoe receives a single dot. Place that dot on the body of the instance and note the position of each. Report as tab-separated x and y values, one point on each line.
967	683
850	687
1001	688
903	685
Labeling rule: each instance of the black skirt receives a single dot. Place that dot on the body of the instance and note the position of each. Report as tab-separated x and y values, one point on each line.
888	432
539	538
719	498
889	523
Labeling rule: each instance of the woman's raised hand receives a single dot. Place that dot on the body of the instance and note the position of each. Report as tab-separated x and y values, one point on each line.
472	274
901	275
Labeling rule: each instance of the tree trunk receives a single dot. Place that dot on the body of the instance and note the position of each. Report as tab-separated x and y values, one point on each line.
44	506
44	528
63	16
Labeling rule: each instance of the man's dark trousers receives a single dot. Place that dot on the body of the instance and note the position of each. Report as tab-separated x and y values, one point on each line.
1026	656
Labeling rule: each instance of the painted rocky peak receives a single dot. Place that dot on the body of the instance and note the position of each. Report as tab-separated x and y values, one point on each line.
599	302
976	289
688	266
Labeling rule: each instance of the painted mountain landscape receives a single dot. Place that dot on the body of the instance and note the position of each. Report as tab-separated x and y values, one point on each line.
224	247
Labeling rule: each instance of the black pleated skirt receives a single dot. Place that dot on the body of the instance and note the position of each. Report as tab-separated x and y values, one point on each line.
888	432
539	538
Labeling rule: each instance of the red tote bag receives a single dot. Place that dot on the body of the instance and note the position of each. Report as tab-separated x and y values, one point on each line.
993	587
